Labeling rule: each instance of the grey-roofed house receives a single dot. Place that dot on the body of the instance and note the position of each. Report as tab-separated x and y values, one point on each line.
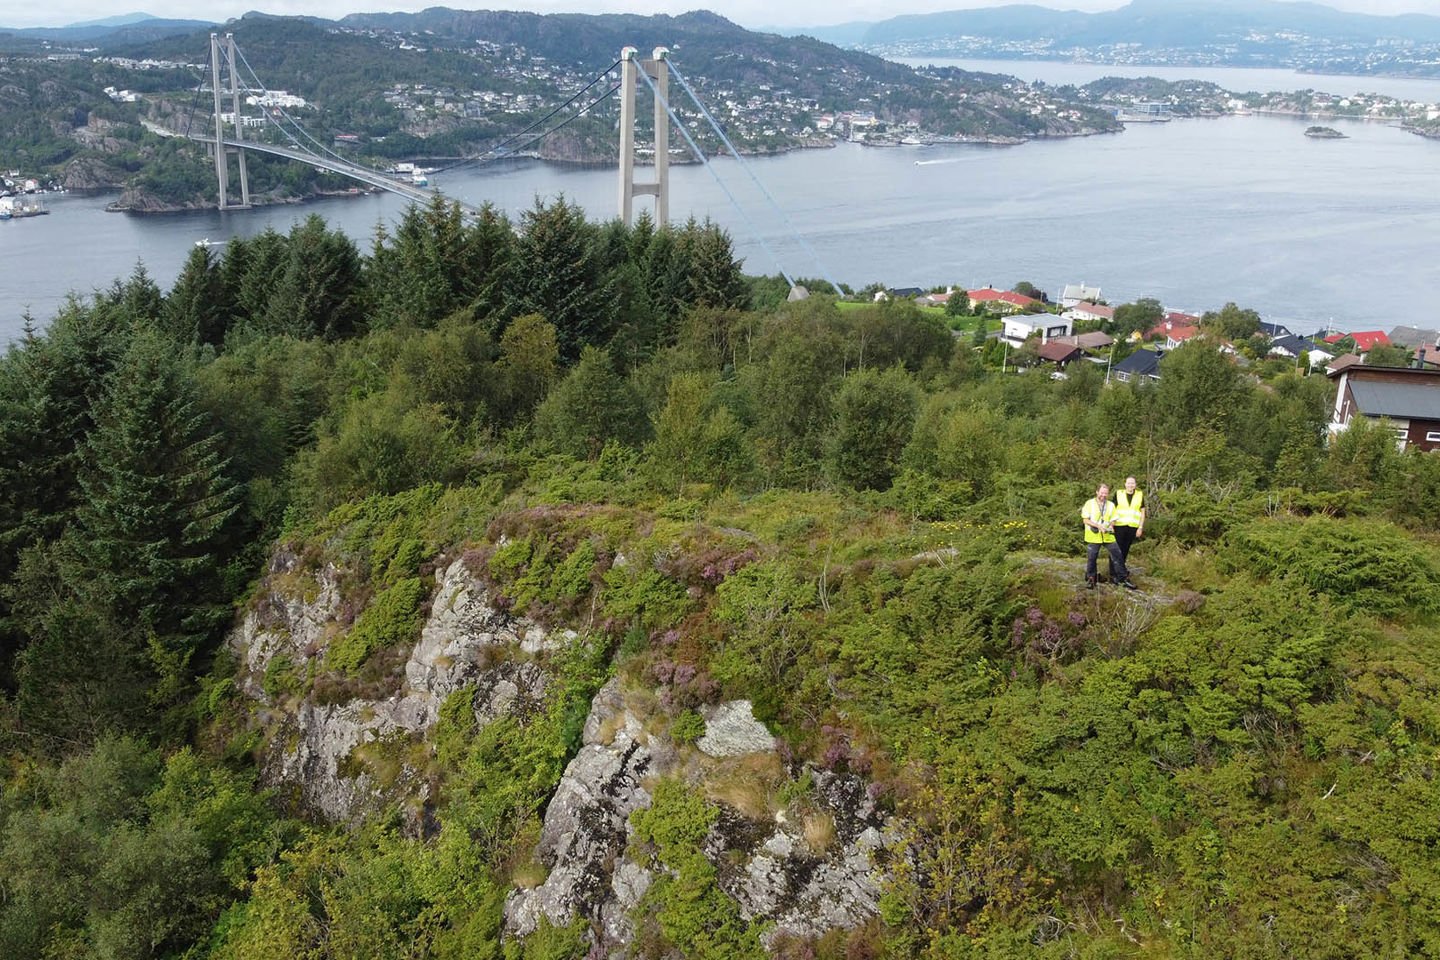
1074	293
1293	347
1274	330
1093	342
1407	398
1141	366
1413	337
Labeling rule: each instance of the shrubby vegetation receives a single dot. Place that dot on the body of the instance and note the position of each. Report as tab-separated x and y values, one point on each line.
845	517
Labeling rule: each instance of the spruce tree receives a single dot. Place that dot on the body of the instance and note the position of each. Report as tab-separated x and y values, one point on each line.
151	530
195	311
561	275
317	292
48	388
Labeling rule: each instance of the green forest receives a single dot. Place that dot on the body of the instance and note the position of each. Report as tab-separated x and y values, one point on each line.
705	493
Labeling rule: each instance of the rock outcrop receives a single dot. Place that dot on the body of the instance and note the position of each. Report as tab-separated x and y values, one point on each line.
317	750
802	880
800	870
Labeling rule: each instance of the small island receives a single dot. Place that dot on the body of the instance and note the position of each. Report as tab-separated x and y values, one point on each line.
1325	133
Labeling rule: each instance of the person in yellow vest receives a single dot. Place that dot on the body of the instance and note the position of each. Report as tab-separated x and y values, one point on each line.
1098	515
1129	520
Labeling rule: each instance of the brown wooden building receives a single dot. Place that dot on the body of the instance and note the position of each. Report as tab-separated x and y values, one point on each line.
1407	397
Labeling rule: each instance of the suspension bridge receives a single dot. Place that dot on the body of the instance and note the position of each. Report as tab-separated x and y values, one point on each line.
232	78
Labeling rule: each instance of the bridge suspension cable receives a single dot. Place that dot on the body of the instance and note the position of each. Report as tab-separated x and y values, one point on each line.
700	154
704	112
494	153
296	123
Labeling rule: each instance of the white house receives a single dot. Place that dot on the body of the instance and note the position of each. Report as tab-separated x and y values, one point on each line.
1074	293
1085	311
1020	327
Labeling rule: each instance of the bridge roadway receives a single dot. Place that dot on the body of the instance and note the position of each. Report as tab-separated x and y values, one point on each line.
374	178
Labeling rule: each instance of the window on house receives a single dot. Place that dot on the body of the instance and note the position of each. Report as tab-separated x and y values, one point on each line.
1433	436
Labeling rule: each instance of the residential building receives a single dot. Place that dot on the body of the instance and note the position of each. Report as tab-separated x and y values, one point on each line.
1341	362
1292	347
1407	398
1365	340
1094	342
1001	301
1414	337
1076	293
1173	332
1274	330
1058	353
1087	312
1015	330
1142	366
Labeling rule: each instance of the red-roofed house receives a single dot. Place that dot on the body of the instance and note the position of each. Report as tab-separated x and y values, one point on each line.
1173	332
1006	301
1184	319
1365	340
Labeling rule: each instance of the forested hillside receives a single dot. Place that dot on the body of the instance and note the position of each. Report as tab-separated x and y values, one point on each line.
337	582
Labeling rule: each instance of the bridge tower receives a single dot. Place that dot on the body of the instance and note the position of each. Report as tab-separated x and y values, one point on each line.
222	61
657	69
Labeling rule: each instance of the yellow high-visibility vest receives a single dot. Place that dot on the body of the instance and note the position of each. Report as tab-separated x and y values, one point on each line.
1092	511
1127	510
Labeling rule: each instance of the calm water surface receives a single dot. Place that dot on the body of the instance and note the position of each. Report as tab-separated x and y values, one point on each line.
1194	212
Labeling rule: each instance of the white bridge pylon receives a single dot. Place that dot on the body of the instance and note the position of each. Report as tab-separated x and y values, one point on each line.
222	54
658	70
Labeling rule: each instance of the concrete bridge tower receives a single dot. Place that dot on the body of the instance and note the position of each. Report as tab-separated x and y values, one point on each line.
657	69
222	60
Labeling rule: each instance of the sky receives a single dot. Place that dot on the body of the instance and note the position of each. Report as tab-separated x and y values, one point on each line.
747	13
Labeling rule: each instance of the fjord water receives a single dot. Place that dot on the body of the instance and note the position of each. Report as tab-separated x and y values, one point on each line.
1193	212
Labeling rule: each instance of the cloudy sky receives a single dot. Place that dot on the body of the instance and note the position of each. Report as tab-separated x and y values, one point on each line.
749	13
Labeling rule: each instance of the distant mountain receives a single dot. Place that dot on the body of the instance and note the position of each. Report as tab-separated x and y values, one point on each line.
120	20
1172	24
126	28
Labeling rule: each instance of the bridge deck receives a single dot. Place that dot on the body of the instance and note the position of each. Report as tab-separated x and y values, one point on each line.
354	171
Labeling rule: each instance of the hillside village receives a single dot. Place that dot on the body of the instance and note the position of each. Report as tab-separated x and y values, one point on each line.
1392	376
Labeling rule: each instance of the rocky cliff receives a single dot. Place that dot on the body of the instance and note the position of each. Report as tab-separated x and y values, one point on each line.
799	851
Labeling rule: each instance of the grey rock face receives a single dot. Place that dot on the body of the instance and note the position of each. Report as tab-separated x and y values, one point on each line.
731	730
284	623
587	823
768	868
806	892
465	642
799	886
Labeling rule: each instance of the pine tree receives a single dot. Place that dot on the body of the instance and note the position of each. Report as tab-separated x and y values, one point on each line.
561	275
318	290
195	311
151	530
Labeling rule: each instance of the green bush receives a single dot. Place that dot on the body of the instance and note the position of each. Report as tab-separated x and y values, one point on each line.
391	619
692	913
1365	566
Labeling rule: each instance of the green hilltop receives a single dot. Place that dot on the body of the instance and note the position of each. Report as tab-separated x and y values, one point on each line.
682	493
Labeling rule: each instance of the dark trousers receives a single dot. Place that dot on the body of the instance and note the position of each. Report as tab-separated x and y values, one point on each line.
1117	562
1125	539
